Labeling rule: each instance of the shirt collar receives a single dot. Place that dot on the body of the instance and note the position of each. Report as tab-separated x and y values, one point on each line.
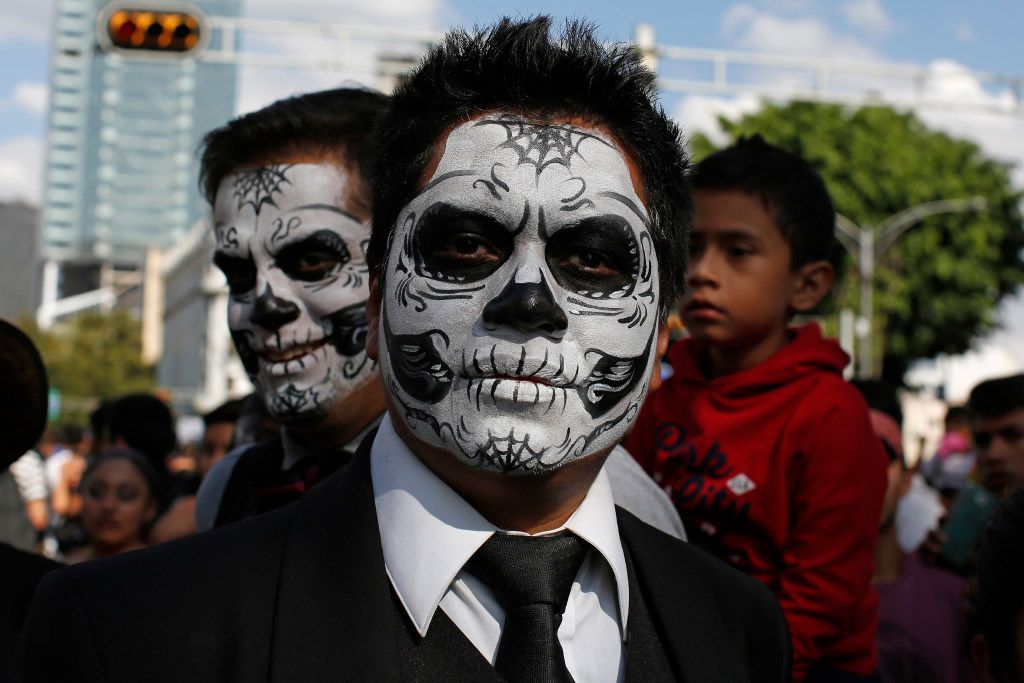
295	451
428	532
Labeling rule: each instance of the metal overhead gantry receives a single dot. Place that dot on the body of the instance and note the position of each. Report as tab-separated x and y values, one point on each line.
387	52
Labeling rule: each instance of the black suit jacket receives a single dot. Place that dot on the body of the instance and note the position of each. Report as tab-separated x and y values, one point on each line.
301	594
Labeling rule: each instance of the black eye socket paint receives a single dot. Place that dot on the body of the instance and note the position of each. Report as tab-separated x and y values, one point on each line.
459	245
315	257
597	256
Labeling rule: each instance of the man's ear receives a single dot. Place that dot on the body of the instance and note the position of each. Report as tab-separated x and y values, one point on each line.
373	319
811	282
661	346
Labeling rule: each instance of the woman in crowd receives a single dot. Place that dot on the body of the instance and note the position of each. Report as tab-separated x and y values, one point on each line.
119	504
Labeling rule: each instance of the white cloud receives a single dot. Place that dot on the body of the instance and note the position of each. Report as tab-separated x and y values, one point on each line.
21	169
260	85
867	15
747	27
25	20
31	96
699	113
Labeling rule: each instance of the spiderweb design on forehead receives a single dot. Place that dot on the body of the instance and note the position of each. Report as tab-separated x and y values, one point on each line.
256	186
541	145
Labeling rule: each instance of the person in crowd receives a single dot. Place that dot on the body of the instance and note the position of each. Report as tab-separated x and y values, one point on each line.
64	470
954	460
65	497
54	451
180	520
145	424
997	423
312	283
522	182
119	503
29	472
23	407
998	647
768	453
922	622
218	434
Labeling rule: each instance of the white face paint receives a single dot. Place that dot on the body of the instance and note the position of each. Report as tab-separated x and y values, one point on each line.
521	297
294	257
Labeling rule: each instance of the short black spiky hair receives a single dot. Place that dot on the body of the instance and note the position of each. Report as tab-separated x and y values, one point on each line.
790	188
517	66
329	121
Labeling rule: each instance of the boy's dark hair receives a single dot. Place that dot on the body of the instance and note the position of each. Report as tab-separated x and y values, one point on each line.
329	122
1000	596
517	66
996	397
792	191
229	411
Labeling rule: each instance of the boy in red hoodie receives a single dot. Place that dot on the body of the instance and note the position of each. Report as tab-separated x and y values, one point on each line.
766	451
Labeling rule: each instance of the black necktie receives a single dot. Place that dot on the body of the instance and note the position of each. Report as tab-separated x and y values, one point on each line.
532	577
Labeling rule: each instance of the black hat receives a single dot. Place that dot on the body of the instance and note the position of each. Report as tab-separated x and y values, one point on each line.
24	394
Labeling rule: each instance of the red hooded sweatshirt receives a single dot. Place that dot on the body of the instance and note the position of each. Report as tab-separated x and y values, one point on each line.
776	470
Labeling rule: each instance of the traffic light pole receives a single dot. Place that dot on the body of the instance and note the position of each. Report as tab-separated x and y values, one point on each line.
867	245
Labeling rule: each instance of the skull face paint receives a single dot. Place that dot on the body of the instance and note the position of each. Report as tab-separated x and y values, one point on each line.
519	307
294	259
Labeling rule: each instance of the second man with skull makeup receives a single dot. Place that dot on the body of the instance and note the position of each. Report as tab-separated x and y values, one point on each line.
290	208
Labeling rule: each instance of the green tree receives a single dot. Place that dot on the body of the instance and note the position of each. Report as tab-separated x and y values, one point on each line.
91	357
938	287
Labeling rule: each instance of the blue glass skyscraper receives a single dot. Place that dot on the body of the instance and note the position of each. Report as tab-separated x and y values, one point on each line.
124	127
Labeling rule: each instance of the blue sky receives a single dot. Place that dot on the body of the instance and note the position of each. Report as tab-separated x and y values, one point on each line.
982	35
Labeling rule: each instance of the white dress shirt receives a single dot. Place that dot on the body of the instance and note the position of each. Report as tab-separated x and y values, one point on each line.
428	533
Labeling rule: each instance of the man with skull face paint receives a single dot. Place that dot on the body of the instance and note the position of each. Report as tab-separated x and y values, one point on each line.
290	210
530	212
522	268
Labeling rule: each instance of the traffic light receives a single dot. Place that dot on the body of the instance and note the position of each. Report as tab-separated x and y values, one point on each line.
154	31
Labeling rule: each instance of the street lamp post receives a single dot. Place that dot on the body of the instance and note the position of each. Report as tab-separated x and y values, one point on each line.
867	245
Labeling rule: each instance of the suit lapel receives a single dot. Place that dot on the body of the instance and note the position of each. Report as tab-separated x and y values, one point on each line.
688	623
334	617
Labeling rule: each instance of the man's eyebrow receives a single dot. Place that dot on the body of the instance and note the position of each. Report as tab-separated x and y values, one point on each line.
328	207
445	176
629	204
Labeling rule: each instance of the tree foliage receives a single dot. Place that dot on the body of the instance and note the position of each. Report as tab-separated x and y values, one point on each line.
938	287
90	357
